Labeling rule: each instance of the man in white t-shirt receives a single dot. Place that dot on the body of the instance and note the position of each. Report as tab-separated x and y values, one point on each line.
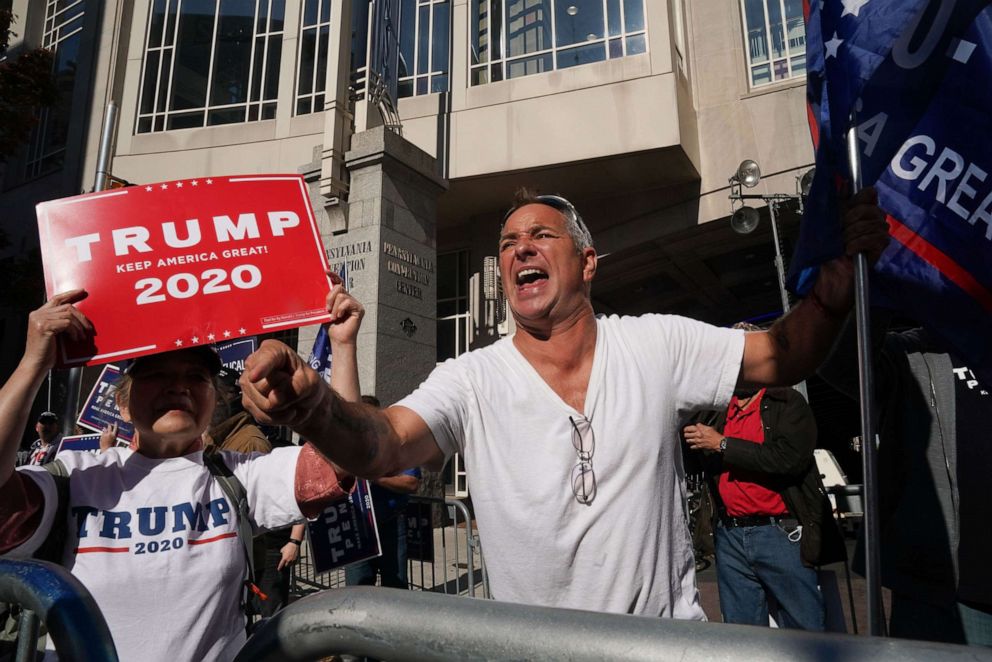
569	429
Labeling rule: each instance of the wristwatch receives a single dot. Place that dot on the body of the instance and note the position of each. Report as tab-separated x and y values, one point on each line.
723	444
296	542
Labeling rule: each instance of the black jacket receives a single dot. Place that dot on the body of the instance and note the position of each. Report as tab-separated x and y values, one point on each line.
787	457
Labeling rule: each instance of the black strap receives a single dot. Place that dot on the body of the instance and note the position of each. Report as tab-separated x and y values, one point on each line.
236	492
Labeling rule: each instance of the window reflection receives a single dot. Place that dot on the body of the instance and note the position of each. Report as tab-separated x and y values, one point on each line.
523	37
211	62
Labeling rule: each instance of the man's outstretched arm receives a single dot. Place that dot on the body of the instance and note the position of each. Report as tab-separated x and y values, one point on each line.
795	345
281	389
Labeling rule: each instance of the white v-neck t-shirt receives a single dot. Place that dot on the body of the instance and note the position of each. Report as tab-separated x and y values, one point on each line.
629	551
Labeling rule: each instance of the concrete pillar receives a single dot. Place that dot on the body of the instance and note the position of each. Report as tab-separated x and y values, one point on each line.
391	252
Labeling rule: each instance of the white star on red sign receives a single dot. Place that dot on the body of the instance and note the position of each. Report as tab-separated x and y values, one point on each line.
179	184
210	181
227	334
211	337
179	343
148	188
164	186
195	339
195	183
242	331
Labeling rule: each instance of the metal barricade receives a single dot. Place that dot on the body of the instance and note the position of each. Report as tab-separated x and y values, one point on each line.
49	593
388	624
455	564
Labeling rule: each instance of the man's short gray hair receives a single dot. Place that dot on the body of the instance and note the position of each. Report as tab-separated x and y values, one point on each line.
574	224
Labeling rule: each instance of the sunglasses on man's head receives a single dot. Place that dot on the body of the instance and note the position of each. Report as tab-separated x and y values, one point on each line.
555	202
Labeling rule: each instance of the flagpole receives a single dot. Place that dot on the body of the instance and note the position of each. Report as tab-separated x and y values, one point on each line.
876	623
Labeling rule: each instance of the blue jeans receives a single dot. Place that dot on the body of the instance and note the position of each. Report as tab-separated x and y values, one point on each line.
391	566
754	563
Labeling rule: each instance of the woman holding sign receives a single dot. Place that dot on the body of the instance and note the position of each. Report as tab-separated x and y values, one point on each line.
150	532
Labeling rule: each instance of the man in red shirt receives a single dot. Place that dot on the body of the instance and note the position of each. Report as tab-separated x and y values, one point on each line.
774	523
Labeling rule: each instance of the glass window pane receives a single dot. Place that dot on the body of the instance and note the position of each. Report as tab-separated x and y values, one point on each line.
308	48
325	11
616	48
256	71
156	24
185	120
799	65
757	36
581	55
446	340
144	125
232	55
579	21
528	25
303	106
408	37
526	66
795	26
423	38
226	116
277	15
479	31
422	85
310	12
439	47
164	78
636	44
613	17
633	15
405	88
439	83
148	86
480	76
322	45
780	69
272	68
268	111
761	74
777	26
196	28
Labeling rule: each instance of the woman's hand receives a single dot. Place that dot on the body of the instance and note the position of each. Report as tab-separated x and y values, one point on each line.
108	438
346	313
56	317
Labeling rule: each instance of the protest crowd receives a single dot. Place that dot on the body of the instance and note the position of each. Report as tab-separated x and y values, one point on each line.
577	431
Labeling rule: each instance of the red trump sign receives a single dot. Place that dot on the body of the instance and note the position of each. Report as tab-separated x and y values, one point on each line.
183	263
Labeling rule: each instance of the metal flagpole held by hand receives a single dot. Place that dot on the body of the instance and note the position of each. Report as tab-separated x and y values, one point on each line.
100	183
876	623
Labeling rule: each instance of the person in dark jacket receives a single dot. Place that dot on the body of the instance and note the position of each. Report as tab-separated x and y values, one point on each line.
774	522
933	472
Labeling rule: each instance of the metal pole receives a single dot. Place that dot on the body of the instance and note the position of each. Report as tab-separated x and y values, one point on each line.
876	625
779	262
102	170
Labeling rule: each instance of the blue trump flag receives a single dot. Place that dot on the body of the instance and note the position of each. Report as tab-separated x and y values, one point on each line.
320	354
914	72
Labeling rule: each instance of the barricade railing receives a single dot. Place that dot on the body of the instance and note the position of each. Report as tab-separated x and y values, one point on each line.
49	594
389	624
449	562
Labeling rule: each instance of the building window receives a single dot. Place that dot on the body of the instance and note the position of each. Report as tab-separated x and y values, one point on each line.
513	38
315	29
63	33
210	62
453	317
425	37
776	40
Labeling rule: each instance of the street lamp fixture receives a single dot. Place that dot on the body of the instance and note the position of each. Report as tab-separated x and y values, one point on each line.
745	219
